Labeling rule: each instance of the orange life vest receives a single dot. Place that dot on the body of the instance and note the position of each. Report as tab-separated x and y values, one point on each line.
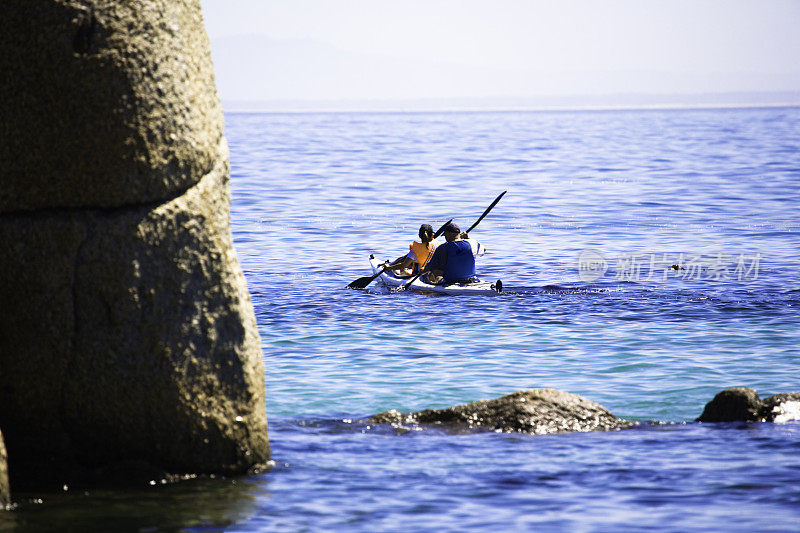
423	252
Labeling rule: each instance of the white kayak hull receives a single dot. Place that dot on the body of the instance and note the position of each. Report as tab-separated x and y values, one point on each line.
390	281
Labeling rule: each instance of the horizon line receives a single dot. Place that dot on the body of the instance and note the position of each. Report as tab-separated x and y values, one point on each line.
541	103
514	109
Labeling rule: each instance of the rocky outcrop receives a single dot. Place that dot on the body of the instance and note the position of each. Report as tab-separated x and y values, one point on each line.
127	335
5	492
104	103
743	404
538	412
782	407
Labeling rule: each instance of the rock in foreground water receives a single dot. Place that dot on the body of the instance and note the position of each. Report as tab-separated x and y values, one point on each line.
539	411
742	404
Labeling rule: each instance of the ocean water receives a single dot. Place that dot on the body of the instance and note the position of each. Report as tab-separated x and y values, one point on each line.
599	206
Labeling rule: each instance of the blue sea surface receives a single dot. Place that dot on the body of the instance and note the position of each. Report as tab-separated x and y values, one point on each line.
600	205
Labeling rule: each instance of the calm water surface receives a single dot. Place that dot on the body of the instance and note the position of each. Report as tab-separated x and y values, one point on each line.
716	191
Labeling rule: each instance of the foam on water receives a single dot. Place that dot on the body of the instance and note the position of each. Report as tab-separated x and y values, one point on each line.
786	412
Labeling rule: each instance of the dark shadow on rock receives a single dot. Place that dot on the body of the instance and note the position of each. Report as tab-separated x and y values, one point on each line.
742	404
539	412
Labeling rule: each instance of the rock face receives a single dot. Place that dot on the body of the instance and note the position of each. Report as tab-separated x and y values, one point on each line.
5	492
531	411
127	334
743	404
105	104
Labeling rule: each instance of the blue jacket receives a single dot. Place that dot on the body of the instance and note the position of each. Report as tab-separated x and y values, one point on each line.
455	259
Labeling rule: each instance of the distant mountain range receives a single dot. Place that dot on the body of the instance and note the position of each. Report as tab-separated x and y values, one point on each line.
258	73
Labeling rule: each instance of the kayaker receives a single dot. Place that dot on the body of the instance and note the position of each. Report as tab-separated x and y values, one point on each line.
418	255
454	261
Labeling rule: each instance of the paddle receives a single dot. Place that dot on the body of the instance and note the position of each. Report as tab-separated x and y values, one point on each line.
421	272
362	283
486	212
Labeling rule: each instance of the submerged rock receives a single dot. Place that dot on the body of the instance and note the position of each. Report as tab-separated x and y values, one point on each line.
127	335
539	411
782	407
743	404
738	403
5	492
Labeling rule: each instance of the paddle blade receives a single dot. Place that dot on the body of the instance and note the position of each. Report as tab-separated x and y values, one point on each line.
361	283
487	211
441	230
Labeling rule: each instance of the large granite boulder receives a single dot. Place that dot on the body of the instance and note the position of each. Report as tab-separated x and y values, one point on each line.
104	103
127	335
5	492
743	404
538	411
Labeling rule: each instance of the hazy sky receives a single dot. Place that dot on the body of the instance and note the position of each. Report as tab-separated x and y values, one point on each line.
349	49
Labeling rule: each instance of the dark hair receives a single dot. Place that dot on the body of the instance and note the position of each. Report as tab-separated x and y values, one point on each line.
425	230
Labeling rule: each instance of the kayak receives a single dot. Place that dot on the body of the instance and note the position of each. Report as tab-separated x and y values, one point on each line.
391	281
